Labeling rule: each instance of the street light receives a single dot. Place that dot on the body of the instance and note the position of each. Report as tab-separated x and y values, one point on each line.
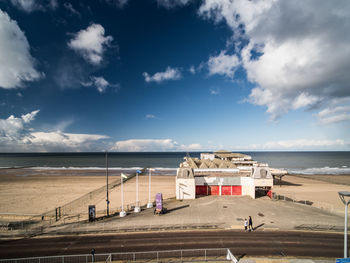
342	196
107	198
150	204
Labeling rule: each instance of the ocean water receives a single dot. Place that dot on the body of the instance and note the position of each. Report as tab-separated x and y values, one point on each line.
293	162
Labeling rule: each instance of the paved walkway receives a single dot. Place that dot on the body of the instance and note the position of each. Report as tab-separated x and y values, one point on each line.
214	212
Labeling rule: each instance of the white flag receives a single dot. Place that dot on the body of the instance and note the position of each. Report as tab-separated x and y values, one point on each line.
124	176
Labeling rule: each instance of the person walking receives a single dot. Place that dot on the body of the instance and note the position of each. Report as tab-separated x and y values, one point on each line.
245	224
251	224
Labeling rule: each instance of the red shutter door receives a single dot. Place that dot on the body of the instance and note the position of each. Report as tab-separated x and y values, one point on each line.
236	190
213	190
201	190
226	190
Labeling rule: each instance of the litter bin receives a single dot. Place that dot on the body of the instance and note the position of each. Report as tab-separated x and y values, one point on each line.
92	213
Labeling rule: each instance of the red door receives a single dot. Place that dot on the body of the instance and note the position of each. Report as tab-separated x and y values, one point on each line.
201	190
236	190
226	190
213	190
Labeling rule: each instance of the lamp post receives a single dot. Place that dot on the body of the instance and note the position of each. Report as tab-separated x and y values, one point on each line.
150	204
137	208
122	176
107	199
342	196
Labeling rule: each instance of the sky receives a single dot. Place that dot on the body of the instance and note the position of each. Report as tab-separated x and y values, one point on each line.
174	75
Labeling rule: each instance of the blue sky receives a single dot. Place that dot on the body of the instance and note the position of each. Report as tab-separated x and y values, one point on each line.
174	75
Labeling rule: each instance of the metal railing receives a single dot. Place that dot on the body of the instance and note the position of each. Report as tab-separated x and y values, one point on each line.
185	255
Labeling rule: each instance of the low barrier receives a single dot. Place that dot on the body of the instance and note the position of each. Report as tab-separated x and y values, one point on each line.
188	255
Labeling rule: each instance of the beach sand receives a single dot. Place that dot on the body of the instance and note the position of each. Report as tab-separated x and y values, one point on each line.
322	190
29	191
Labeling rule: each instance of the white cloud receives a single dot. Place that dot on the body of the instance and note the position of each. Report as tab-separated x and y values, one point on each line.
192	69
91	43
215	91
172	3
223	64
334	114
118	3
100	83
301	144
303	45
13	128
34	5
151	116
16	63
71	9
152	145
168	74
62	141
17	135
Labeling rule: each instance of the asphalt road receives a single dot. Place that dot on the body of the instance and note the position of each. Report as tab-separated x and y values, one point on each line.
258	243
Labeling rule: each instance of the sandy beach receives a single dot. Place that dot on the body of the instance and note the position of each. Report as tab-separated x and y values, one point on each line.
32	192
27	191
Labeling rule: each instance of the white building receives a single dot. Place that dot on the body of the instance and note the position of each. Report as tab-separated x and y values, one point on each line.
222	173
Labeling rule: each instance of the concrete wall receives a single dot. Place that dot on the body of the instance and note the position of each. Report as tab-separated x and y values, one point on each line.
263	182
185	188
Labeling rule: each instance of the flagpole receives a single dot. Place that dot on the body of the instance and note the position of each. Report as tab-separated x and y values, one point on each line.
107	199
122	213
137	208
150	204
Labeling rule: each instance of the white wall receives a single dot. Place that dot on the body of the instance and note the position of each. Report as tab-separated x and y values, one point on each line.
185	188
248	190
263	182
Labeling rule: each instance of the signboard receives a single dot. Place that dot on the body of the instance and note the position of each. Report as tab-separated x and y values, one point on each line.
159	201
92	213
342	260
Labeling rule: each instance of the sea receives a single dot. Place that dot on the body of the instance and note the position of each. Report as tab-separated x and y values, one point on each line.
167	162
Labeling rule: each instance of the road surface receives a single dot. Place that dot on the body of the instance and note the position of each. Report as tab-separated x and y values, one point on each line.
258	243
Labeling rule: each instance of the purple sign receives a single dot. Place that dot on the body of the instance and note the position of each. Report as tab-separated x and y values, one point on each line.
159	201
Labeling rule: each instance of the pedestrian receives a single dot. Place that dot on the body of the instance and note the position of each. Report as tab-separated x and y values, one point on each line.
245	224
250	224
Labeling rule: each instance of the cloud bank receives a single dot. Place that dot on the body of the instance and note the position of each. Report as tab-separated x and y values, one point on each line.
17	135
16	62
152	145
298	52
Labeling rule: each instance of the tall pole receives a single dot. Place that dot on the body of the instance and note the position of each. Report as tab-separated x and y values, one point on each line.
122	213
137	207
150	204
122	192
344	197
346	232
149	185
107	199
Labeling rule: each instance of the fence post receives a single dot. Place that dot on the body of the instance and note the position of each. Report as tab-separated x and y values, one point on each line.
205	254
133	256
181	255
157	256
86	259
